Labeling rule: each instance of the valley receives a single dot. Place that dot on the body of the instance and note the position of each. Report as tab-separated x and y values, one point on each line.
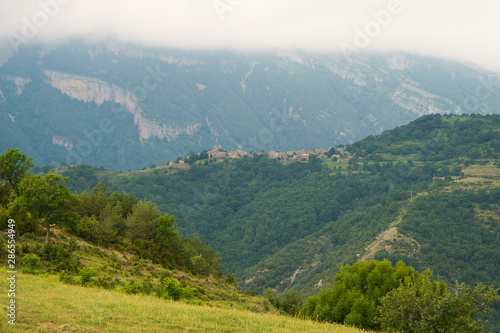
250	166
291	226
282	220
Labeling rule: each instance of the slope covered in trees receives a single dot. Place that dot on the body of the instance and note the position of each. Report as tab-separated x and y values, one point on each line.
33	207
250	208
425	193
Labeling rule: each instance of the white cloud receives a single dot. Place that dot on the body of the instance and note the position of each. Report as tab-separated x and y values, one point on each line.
455	29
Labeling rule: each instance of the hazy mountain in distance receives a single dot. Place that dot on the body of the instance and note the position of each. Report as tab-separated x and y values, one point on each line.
126	107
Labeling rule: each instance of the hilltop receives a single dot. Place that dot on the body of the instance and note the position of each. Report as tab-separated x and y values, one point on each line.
426	193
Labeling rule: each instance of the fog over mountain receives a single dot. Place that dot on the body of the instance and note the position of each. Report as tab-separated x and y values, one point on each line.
455	30
340	70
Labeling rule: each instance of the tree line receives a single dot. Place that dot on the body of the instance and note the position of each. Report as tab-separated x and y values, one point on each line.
111	219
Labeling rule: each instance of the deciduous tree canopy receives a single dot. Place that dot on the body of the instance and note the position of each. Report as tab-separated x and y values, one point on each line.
47	200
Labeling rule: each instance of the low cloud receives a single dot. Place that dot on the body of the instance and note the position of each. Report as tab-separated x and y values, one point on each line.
458	30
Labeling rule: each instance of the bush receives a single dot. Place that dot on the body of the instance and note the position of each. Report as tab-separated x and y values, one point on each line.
173	289
230	279
86	276
3	247
66	278
90	230
73	245
60	255
30	261
55	252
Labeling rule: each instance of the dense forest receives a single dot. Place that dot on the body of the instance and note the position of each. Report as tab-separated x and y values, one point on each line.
268	204
252	207
425	194
291	226
438	138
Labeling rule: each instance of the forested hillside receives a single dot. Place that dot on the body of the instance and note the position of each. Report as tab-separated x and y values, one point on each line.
104	239
426	193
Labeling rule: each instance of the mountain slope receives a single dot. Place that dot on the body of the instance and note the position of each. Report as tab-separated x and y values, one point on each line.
125	107
250	208
426	193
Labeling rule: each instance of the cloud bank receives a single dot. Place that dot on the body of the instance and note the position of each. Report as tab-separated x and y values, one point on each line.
460	30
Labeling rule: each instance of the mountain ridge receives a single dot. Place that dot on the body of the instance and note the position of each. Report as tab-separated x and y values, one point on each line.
182	101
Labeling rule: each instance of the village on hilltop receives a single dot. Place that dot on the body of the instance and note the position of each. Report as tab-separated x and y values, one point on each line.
338	154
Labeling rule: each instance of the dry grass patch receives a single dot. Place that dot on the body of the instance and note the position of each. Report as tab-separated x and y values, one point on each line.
47	305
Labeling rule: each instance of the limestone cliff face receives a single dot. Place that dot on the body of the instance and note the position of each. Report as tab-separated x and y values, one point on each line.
61	141
87	89
409	95
19	82
421	102
347	73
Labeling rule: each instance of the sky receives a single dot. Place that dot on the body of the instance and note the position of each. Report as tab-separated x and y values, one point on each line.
461	30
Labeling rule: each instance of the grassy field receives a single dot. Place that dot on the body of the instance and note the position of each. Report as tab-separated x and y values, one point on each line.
487	170
46	305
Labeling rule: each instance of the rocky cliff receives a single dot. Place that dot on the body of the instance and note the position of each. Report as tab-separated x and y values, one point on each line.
88	89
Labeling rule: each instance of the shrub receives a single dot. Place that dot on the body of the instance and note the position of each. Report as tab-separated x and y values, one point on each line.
3	248
86	276
66	278
73	245
230	279
90	230
30	261
173	289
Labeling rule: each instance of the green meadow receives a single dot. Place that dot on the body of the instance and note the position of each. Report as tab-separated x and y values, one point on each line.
43	304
